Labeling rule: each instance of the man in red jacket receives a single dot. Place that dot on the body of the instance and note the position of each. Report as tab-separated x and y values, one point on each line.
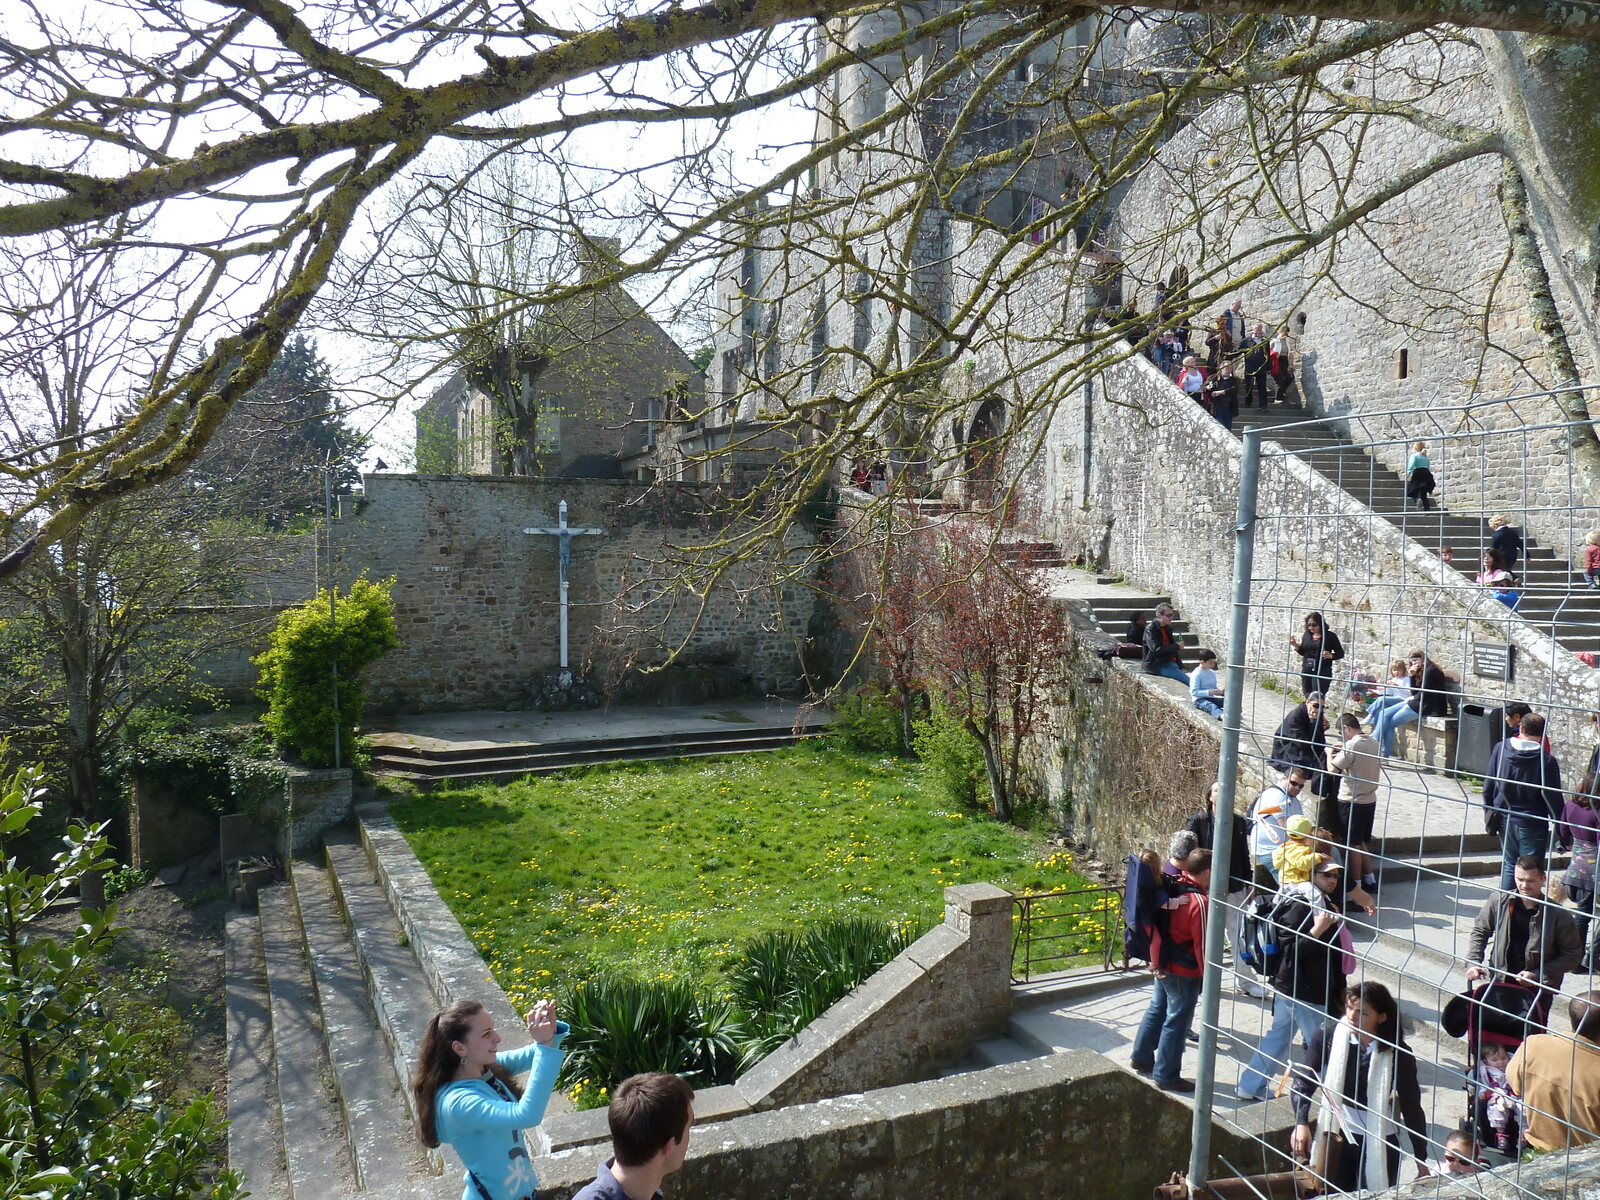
1177	952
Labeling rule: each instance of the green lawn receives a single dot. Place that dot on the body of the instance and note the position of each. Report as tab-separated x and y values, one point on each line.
664	868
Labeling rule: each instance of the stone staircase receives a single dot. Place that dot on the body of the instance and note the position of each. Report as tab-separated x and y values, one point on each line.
326	1004
1112	613
1555	599
1031	554
400	758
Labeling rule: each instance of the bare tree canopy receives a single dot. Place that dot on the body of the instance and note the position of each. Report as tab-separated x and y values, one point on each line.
226	155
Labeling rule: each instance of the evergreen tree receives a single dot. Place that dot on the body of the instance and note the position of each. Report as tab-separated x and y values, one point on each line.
272	451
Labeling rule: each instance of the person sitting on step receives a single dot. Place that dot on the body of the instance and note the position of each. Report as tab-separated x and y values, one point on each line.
1203	685
1162	649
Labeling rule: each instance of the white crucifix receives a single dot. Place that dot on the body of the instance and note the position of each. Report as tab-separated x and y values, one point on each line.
565	534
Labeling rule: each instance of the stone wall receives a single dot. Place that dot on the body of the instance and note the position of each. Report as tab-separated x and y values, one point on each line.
1067	1125
1427	273
1128	761
925	1009
163	827
477	599
314	802
1164	482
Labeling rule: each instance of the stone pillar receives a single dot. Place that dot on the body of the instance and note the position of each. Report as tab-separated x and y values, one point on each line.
981	914
315	801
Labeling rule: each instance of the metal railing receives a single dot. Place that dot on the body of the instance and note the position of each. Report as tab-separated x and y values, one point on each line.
1066	930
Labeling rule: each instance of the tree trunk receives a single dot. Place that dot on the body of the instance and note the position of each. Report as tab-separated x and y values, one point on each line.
79	622
1562	369
999	791
1549	93
908	708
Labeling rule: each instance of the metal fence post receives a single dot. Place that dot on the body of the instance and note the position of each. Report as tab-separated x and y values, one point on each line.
1227	773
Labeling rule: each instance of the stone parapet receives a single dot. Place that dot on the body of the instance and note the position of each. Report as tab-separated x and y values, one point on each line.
945	992
1069	1124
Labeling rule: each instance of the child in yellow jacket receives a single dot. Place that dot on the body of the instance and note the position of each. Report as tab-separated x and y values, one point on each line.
1297	857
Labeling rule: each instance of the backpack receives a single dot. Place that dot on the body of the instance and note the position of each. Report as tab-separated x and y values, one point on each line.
1263	933
1142	897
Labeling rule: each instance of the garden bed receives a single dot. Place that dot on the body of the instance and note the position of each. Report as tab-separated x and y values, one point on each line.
665	870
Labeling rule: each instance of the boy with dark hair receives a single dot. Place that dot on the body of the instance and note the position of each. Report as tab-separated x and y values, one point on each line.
650	1116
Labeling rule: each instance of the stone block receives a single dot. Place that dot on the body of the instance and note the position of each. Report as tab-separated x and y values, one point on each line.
243	837
314	802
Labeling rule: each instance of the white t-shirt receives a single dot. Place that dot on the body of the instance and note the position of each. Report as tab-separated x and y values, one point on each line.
1270	811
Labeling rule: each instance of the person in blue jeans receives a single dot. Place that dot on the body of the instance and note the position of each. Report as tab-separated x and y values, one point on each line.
1177	949
1203	685
1162	650
1310	976
1430	697
1522	791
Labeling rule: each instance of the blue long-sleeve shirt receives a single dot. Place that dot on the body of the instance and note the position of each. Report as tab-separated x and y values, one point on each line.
1203	684
484	1125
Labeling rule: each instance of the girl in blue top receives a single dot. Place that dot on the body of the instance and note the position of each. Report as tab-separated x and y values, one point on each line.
466	1095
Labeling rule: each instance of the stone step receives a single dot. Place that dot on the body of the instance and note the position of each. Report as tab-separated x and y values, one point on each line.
996	1052
1464	866
396	986
508	773
255	1124
318	1159
401	744
377	1121
539	761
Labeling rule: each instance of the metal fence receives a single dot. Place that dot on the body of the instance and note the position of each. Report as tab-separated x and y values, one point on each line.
1073	929
1373	560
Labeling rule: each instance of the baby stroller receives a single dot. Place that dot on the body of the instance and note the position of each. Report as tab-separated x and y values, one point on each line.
1496	1013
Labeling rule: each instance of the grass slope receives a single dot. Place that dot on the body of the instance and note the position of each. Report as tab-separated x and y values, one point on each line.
664	868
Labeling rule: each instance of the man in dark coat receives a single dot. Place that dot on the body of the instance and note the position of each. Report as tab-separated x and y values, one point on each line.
1519	934
1162	649
1257	366
1300	742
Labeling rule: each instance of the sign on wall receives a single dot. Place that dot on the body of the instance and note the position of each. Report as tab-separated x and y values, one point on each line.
1493	660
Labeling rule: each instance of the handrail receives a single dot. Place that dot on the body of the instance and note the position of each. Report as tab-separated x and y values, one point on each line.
1056	931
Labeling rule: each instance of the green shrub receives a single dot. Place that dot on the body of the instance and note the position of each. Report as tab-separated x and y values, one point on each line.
122	880
867	721
621	1025
953	758
77	1114
296	670
221	768
784	980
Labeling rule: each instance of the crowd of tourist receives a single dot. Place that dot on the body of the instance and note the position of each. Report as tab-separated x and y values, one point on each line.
1298	865
1235	365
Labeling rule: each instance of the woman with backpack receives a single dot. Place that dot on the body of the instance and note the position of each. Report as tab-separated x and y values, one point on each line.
1307	971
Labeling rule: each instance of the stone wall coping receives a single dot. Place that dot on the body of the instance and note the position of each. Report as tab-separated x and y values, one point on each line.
592	1128
299	774
893	1123
977	898
455	969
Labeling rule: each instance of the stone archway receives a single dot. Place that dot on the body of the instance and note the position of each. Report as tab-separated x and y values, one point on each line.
984	452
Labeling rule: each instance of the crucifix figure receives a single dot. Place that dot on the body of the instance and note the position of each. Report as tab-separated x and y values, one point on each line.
565	536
